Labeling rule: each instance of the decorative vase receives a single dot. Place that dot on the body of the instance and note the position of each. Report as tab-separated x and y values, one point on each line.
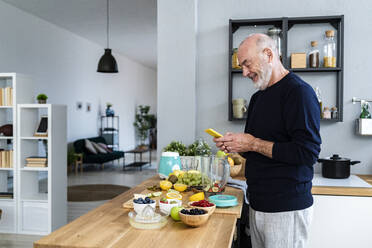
41	101
109	111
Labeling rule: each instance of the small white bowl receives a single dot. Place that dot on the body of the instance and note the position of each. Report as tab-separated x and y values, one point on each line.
138	208
166	208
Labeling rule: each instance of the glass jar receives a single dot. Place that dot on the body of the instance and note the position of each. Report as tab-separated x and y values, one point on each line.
275	34
235	61
329	59
334	113
314	55
326	113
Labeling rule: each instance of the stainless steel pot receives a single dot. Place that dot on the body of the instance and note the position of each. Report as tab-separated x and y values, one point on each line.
336	167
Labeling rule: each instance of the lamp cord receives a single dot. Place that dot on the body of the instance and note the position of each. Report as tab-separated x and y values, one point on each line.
108	23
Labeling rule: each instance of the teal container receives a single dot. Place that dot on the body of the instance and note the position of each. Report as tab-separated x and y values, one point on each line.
224	201
169	162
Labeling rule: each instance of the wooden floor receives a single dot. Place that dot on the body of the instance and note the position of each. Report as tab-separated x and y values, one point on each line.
112	174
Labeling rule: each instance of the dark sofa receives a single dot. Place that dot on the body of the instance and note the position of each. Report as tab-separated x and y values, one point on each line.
99	158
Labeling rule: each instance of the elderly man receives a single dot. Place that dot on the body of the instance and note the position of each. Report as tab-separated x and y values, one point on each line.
281	142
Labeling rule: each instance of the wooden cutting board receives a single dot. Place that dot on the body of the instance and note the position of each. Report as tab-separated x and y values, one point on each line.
185	199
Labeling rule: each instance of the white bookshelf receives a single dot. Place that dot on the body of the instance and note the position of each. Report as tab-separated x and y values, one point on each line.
22	93
42	191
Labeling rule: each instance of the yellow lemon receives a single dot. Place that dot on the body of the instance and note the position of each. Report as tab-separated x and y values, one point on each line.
176	173
165	185
197	197
231	161
181	174
180	187
172	195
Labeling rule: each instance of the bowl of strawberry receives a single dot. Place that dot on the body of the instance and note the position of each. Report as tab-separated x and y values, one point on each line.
203	204
166	205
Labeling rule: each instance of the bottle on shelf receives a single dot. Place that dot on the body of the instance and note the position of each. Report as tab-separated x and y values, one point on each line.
334	113
314	55
319	96
329	59
365	113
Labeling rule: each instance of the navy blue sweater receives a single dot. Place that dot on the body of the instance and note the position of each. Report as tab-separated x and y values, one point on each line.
288	114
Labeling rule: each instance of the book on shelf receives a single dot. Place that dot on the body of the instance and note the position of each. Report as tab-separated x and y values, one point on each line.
6	159
36	162
36	159
6	195
6	96
37	165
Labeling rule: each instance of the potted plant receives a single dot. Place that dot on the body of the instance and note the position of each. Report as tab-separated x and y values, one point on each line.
196	152
192	155
143	123
176	146
42	98
109	111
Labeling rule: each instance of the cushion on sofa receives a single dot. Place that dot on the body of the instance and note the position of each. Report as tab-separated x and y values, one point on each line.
98	148
89	146
104	146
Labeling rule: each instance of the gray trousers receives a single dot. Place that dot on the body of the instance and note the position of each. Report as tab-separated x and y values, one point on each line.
280	230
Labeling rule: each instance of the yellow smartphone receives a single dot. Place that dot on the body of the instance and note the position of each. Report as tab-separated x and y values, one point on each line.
212	132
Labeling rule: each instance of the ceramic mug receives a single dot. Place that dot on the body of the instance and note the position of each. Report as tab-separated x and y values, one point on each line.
239	107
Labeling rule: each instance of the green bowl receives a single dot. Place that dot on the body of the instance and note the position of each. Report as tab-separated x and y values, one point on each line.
224	201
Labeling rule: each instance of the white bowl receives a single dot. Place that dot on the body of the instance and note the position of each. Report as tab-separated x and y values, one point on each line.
138	208
166	208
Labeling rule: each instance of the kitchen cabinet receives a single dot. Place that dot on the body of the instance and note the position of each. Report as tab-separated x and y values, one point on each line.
342	212
8	216
286	24
341	221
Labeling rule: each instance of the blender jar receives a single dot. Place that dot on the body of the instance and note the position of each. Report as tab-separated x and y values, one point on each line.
215	173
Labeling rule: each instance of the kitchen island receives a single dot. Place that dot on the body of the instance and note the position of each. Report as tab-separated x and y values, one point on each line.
108	226
342	215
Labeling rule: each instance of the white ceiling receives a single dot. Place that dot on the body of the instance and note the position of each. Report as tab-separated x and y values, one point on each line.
132	23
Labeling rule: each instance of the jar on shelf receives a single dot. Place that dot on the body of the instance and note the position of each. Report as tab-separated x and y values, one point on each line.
275	34
326	113
329	59
334	113
235	61
314	55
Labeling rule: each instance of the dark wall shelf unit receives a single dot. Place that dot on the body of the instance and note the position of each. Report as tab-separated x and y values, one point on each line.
285	24
110	131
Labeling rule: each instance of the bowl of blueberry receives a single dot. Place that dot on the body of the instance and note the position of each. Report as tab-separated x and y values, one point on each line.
140	203
194	216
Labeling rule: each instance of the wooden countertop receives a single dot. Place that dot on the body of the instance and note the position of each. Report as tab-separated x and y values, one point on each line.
108	226
340	191
345	191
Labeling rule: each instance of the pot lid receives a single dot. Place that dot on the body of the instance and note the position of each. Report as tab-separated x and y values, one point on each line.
336	157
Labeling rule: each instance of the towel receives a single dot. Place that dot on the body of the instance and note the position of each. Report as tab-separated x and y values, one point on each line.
239	184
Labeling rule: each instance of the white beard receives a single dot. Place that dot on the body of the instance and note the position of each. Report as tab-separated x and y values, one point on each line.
263	77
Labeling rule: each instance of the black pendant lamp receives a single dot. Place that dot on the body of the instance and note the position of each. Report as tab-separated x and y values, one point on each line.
107	63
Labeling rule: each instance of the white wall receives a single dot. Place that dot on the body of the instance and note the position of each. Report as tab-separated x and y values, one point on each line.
213	63
176	71
212	69
63	65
